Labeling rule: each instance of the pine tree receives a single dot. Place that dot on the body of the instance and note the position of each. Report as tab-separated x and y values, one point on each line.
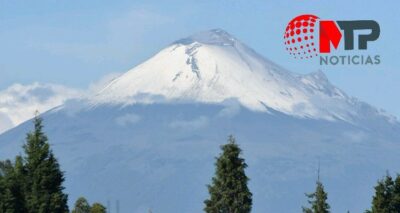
387	196
383	196
395	202
13	199
81	206
98	208
229	192
2	187
43	176
317	200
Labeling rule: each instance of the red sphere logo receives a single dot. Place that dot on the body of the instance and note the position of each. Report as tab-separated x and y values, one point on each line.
299	37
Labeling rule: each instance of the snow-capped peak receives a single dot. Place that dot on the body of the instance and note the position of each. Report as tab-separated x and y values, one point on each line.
211	37
213	66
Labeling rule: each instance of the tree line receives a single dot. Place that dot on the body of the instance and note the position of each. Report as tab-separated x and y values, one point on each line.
33	183
228	191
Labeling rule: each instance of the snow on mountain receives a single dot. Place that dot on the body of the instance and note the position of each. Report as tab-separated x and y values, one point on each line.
214	66
19	103
149	138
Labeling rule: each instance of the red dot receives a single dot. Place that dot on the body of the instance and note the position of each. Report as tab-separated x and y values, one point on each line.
304	30
309	51
288	42
312	20
291	33
299	39
291	26
287	35
305	37
298	24
315	50
293	41
312	24
290	49
301	46
312	44
311	30
305	24
312	37
298	31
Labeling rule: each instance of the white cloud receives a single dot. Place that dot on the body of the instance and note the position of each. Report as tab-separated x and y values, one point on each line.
356	136
19	103
196	123
124	38
232	108
127	119
5	122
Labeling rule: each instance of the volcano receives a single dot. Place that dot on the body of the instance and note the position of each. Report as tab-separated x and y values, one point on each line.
149	138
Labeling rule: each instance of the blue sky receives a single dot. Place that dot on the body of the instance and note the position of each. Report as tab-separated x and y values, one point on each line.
75	43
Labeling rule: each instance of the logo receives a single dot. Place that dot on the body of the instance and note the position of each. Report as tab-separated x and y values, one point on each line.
307	37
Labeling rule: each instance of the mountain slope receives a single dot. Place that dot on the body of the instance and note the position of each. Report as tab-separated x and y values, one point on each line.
149	138
213	66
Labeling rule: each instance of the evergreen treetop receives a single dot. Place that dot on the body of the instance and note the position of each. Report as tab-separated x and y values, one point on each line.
387	196
317	200
229	192
98	208
81	206
44	179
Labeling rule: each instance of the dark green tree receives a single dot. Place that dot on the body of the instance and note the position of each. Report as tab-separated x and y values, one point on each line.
12	196
44	179
81	206
98	208
317	200
395	202
387	196
2	186
229	192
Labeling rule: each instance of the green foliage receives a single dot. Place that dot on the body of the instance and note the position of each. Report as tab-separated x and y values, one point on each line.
317	200
395	203
2	187
43	176
98	208
12	187
229	192
34	183
387	196
81	206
